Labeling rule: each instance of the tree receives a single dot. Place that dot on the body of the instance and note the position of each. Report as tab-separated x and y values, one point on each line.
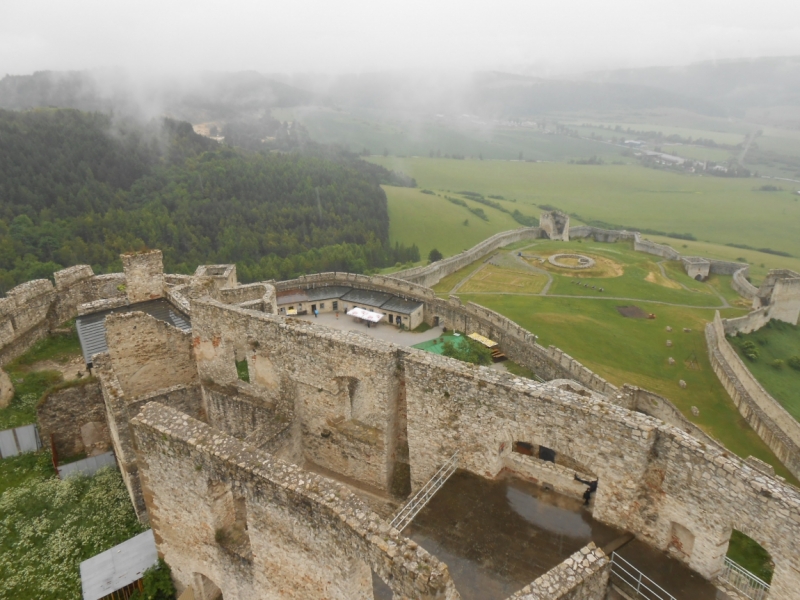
434	255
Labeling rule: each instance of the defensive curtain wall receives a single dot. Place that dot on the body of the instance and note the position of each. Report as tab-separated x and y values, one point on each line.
389	416
765	415
358	401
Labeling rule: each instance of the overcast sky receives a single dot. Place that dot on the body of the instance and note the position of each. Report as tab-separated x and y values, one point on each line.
355	35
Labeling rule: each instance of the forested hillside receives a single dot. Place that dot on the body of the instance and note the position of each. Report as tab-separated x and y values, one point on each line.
81	188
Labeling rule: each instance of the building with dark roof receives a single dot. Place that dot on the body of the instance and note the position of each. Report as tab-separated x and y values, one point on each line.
396	310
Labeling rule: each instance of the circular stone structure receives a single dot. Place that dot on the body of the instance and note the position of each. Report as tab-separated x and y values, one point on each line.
584	262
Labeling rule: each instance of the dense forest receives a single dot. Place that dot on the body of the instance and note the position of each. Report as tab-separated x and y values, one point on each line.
83	187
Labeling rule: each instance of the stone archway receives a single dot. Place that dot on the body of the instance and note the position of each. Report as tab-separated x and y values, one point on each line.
205	589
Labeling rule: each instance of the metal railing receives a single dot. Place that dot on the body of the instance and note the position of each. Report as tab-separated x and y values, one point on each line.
406	514
636	582
744	581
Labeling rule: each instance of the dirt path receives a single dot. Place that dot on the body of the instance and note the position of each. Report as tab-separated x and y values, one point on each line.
722	298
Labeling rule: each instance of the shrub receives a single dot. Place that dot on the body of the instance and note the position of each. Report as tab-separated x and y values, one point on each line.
157	584
777	364
469	351
794	362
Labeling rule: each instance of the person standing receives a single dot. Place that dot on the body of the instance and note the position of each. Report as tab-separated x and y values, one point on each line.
587	495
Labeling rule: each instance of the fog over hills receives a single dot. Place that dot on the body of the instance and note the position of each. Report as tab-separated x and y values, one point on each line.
717	88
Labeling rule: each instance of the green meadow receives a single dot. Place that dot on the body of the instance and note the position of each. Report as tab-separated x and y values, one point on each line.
779	342
715	210
586	324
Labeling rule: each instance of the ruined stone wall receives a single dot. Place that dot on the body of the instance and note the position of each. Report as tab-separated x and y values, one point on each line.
743	287
517	343
779	430
30	310
643	245
583	576
725	267
638	399
344	385
75	419
608	236
148	354
752	321
785	301
431	274
259	528
654	480
144	275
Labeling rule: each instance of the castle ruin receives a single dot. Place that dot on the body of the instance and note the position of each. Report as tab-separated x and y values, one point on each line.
249	486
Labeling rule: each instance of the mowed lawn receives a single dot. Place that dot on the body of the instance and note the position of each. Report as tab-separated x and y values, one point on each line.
714	209
634	351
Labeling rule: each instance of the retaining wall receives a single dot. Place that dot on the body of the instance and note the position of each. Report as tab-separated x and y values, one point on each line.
779	430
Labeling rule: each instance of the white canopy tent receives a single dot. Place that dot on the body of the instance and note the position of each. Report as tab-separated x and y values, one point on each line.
367	315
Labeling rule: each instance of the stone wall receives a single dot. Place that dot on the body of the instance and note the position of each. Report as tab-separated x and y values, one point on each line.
638	399
642	245
344	385
608	236
752	321
583	576
148	354
260	528
779	430
517	343
654	480
431	274
144	275
74	418
30	310
743	287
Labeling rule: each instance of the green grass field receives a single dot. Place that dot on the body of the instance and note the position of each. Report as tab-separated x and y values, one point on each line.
776	341
433	222
621	349
713	209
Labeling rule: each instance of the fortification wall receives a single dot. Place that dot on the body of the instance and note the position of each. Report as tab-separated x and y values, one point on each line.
75	419
344	385
766	416
144	273
517	343
430	275
643	245
609	236
724	267
583	576
654	480
31	310
752	321
785	300
638	399
743	287
258	527
148	354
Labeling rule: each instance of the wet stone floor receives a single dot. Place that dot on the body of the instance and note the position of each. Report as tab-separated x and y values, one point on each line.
497	536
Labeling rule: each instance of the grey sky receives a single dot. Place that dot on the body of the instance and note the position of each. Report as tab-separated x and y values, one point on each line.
353	35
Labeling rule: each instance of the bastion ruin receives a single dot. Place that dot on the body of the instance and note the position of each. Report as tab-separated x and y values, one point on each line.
249	485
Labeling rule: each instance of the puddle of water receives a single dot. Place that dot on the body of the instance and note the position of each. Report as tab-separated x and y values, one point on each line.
497	536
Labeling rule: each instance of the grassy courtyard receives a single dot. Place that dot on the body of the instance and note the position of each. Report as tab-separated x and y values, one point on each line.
587	324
